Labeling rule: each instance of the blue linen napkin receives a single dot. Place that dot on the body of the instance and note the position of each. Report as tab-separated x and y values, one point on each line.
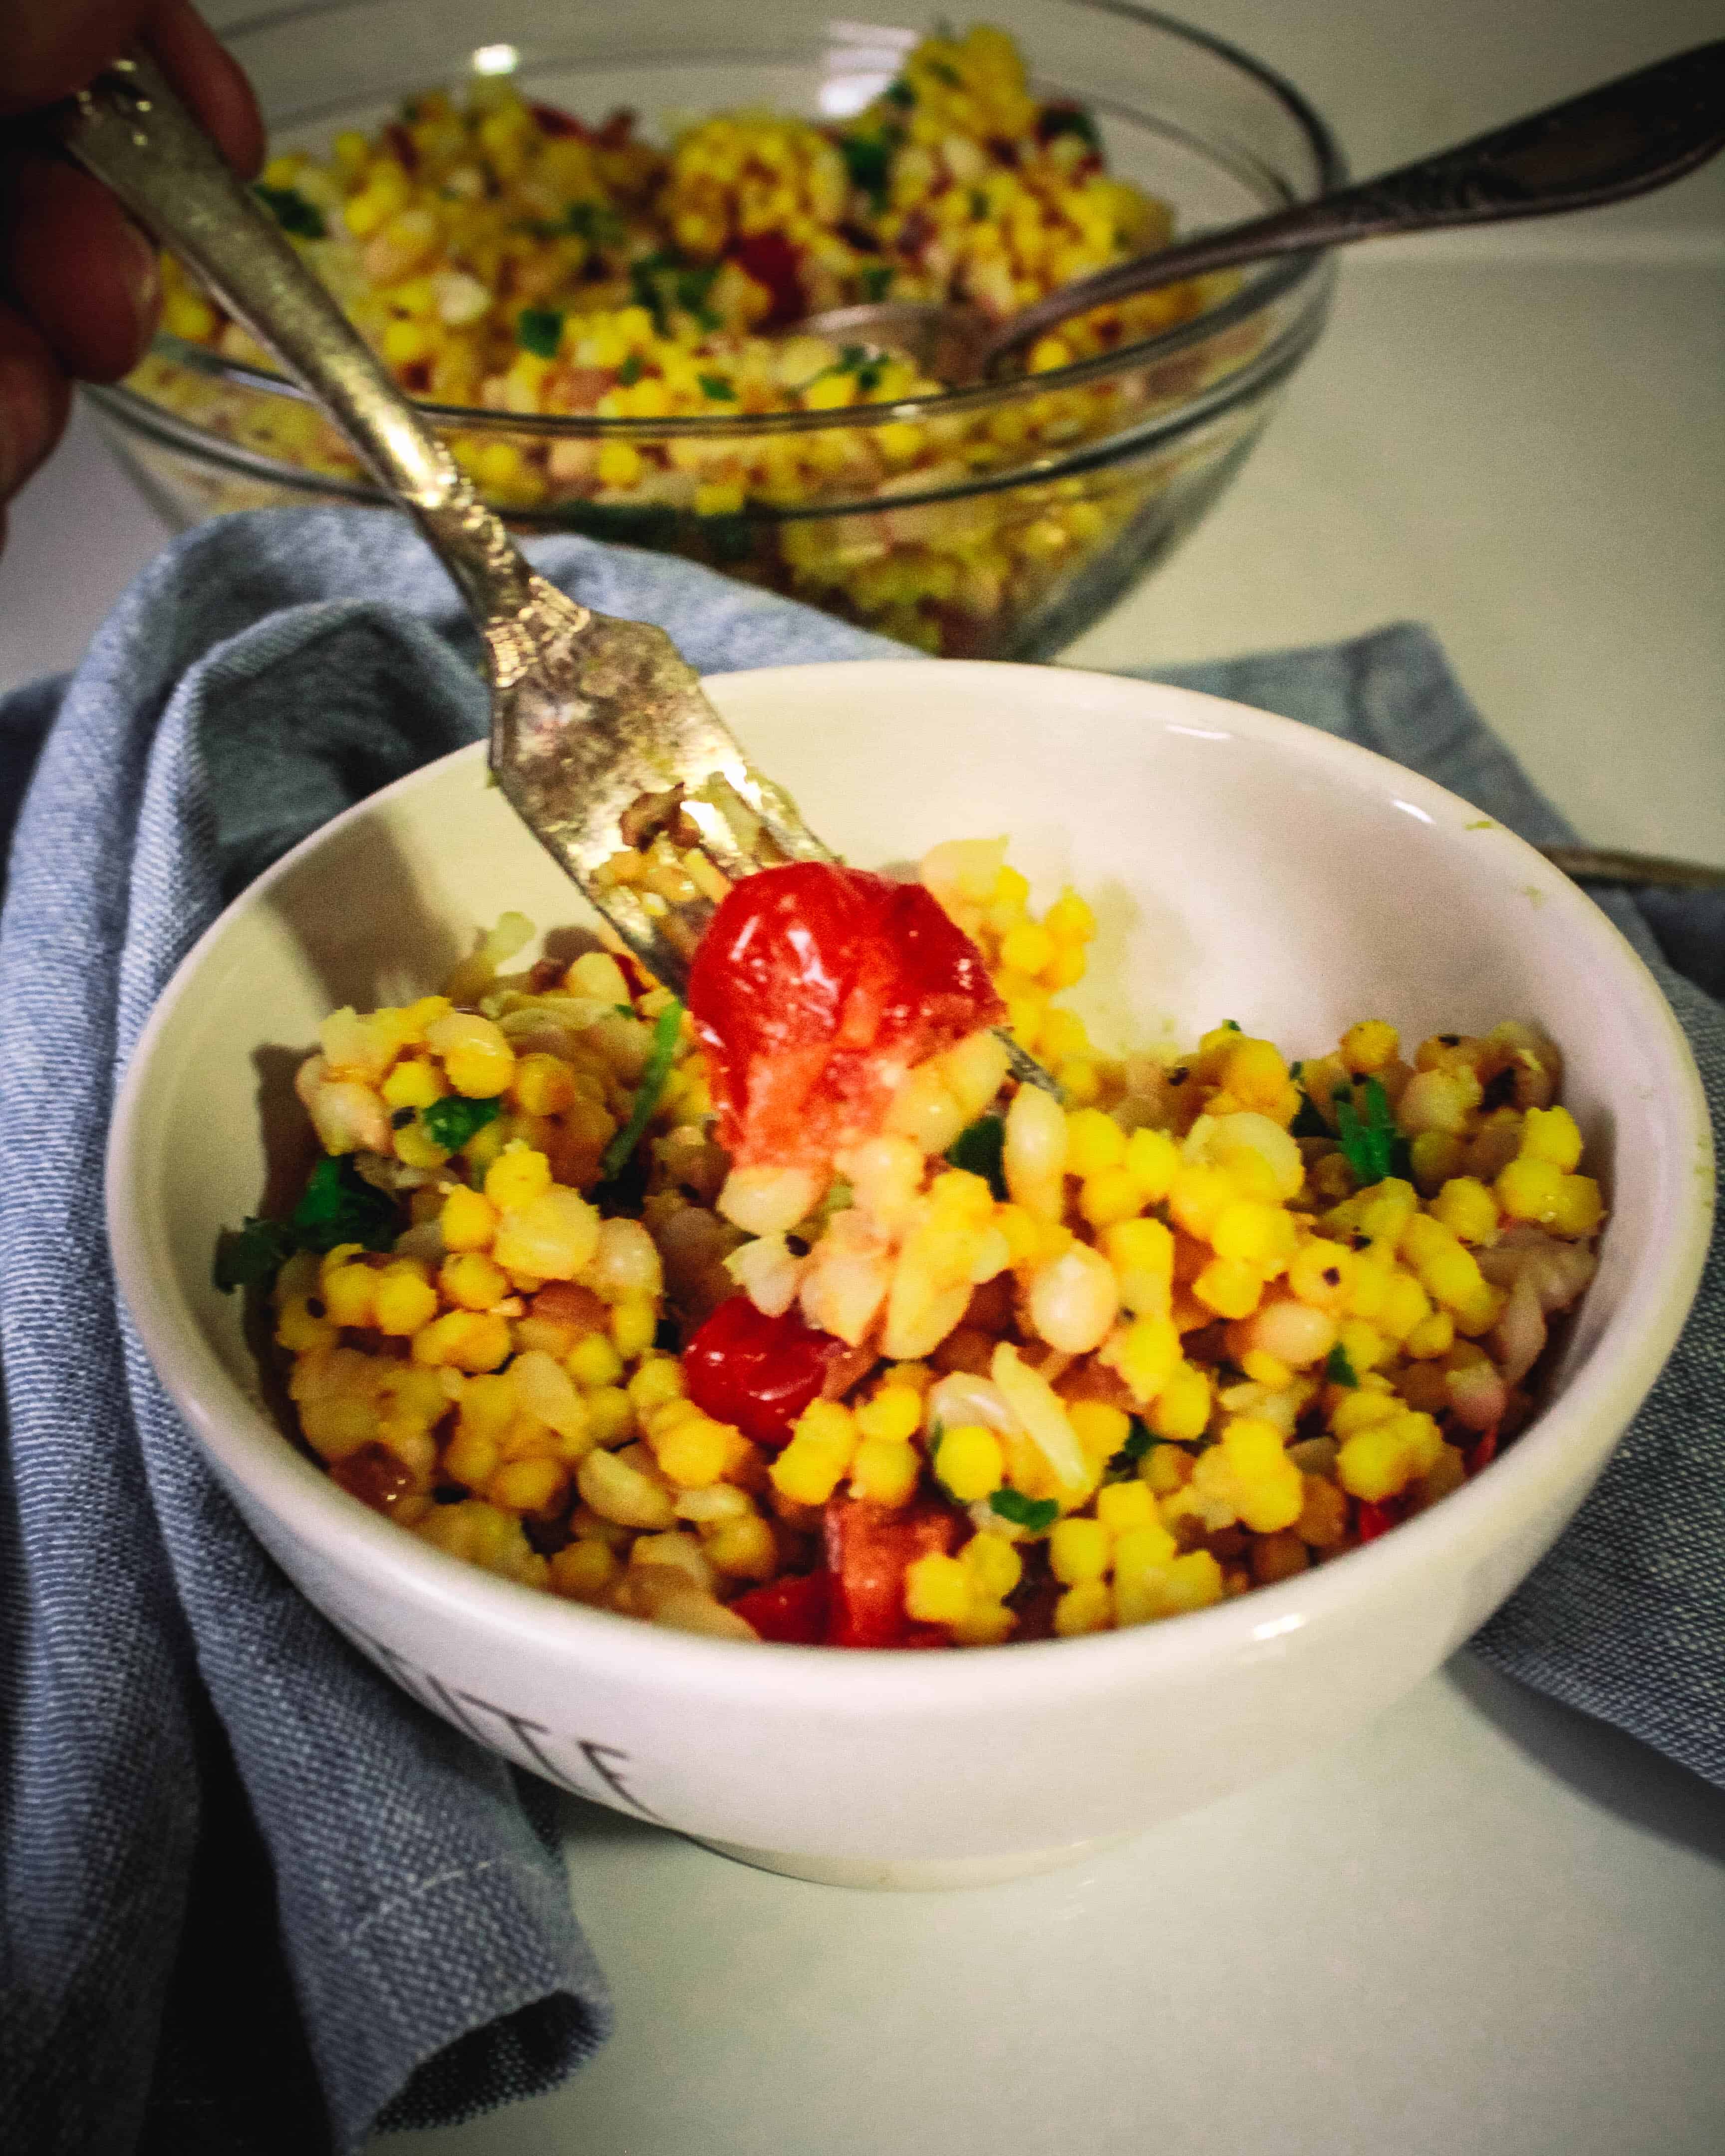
236	1859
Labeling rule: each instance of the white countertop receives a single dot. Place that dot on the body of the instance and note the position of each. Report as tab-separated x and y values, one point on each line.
1485	1924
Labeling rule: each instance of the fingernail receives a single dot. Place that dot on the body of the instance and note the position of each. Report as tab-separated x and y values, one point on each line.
140	270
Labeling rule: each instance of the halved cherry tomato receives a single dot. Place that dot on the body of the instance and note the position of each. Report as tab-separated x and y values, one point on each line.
813	990
756	1372
1484	1450
793	1610
771	261
1375	1520
868	1554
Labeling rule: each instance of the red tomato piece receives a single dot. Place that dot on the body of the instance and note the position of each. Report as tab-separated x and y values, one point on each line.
868	1554
553	120
1484	1450
1375	1520
756	1372
793	1610
770	260
813	990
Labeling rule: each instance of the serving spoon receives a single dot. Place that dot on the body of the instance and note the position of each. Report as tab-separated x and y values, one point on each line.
1623	138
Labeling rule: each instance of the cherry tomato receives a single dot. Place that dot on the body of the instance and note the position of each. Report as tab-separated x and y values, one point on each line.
868	1554
793	1610
1484	1450
756	1372
813	990
1375	1520
770	260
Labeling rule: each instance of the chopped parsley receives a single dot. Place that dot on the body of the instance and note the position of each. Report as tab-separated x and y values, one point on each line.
291	211
451	1121
978	204
663	280
539	330
980	1149
875	281
943	71
1337	1368
717	387
338	1206
1308	1120
868	159
857	360
596	222
660	1058
1374	1145
1056	120
631	371
1034	1514
1231	1025
901	94
1125	1462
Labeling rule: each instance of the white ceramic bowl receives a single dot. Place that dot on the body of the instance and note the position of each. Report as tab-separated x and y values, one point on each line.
1241	866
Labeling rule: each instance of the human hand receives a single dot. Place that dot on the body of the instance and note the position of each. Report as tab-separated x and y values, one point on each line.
79	283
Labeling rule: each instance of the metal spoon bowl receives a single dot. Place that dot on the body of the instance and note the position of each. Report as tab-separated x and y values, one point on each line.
1623	138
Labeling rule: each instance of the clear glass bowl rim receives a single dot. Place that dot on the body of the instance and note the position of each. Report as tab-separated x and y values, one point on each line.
1258	289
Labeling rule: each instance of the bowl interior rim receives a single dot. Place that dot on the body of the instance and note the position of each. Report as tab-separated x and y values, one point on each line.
1601	1393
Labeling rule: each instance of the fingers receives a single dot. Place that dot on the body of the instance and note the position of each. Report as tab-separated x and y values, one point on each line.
81	271
33	397
50	48
210	80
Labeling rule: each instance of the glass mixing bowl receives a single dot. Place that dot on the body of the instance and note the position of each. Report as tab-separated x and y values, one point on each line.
995	522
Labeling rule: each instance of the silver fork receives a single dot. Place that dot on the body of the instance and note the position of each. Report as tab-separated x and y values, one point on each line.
600	736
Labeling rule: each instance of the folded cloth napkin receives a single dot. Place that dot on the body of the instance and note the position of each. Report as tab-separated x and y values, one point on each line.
254	1898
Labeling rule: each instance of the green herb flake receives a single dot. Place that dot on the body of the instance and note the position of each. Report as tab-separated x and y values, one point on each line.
901	94
1057	119
631	371
980	1149
875	282
1338	1369
596	222
291	211
868	159
1308	1120
451	1121
1124	1463
1231	1025
340	1206
943	71
659	1058
978	204
539	330
1034	1514
1374	1147
717	387
251	1256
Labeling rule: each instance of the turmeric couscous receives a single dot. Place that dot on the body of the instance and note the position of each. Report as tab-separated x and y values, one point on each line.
791	1316
504	256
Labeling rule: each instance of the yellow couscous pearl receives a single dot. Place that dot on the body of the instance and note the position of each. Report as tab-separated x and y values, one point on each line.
1368	1046
1152	1160
1467	1208
405	1301
885	1470
1110	1197
1094	1142
822	1448
517	1177
1551	1134
1530	1189
470	1279
467	1221
477	1057
1230	1287
1181	1410
1081	1550
413	1083
464	1340
634	1325
894	1412
1579	1208
593	1360
995	1566
1088	1607
970	1463
349	1295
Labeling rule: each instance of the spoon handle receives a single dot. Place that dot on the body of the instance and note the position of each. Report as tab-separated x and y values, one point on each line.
1621	139
130	130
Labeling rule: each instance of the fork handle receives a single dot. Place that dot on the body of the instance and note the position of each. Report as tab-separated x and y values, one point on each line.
131	130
